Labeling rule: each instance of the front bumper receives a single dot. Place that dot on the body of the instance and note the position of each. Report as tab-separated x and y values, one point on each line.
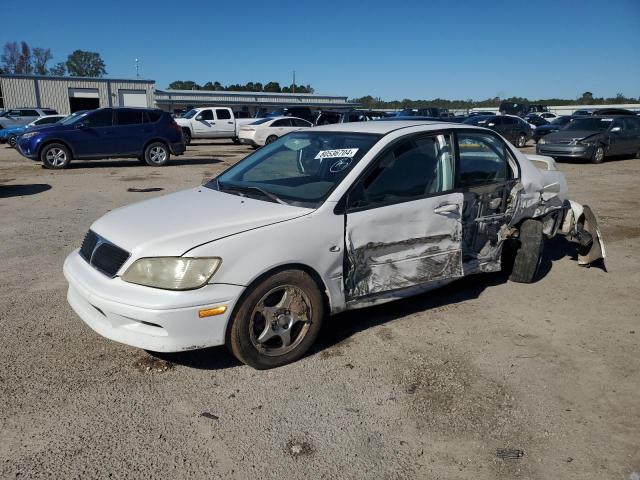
564	150
144	317
27	149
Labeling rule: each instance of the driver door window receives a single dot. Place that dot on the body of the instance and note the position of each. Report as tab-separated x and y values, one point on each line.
413	169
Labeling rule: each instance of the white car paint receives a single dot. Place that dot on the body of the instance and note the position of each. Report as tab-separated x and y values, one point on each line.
256	134
212	122
252	237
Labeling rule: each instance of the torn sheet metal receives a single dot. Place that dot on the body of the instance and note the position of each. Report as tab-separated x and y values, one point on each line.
581	226
403	245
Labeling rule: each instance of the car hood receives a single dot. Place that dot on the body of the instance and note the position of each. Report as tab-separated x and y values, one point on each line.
548	128
563	135
173	224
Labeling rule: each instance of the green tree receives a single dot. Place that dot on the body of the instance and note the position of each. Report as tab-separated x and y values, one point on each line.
85	64
58	70
184	85
586	98
272	87
40	58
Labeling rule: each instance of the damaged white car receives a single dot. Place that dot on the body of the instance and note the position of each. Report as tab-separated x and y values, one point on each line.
320	221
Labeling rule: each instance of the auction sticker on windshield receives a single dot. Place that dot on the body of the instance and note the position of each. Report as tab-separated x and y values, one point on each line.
340	153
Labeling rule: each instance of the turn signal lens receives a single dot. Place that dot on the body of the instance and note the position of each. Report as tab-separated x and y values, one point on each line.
211	312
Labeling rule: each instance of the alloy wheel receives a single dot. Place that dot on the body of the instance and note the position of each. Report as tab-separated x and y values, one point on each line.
56	157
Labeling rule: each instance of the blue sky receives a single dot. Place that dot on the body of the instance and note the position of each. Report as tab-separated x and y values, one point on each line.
392	49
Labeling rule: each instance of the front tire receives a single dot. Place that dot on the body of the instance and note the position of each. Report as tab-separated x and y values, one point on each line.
521	141
277	321
13	140
157	154
598	155
529	253
270	139
186	135
55	156
236	141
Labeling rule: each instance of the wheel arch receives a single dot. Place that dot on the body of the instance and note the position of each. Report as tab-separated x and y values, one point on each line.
56	140
322	287
153	140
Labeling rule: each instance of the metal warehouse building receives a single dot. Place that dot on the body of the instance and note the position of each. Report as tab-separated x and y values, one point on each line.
70	94
171	100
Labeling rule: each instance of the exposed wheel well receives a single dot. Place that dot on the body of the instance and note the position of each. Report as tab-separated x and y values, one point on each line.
49	142
289	266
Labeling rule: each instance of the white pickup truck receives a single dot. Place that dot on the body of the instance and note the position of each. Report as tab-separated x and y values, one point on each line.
211	122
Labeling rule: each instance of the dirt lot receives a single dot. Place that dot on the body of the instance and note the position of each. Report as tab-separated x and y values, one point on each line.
429	387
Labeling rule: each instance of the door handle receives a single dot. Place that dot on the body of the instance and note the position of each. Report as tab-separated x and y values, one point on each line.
446	208
230	123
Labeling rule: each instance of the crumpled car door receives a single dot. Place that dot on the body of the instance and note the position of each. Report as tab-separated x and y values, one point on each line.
403	245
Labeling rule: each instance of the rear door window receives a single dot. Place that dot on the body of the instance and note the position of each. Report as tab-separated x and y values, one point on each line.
223	114
128	117
206	115
152	116
482	160
285	122
29	113
49	112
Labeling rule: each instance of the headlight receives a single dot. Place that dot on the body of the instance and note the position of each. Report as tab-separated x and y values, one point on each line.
28	134
172	273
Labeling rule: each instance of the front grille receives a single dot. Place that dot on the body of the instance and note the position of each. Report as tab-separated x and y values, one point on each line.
103	255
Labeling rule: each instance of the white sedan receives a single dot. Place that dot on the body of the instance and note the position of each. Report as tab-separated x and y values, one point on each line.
267	130
320	221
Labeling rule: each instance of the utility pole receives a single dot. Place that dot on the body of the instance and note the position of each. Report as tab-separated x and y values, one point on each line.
294	81
137	68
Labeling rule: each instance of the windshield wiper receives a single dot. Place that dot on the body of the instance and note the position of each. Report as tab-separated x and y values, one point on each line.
251	188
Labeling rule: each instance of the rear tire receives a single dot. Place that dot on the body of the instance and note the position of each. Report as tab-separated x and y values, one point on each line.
157	154
55	156
270	139
529	253
257	336
13	141
521	141
235	140
598	155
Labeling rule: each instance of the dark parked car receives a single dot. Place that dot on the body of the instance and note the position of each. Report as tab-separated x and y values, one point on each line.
149	135
594	138
514	129
536	120
555	125
613	111
583	112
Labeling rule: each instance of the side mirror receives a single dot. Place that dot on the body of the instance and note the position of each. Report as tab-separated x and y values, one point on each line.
199	118
615	129
80	126
491	124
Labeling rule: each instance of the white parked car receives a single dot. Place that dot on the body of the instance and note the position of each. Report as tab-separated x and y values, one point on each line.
211	122
267	130
320	221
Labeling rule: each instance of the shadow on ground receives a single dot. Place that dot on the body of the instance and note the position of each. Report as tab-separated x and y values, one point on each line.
340	327
7	191
174	162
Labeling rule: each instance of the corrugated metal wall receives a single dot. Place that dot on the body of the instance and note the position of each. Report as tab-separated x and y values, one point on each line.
18	92
54	92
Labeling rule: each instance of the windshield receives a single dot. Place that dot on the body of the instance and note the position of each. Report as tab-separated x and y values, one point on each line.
262	120
301	168
190	113
72	118
589	124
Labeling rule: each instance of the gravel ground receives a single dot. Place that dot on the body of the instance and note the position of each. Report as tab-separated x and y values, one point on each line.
429	387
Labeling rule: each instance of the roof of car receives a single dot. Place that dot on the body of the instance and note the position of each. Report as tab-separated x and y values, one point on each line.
383	127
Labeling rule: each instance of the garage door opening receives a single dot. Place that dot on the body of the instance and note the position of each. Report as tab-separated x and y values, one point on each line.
78	104
132	98
83	99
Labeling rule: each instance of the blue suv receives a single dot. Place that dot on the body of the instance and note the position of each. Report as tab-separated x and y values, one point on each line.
150	135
